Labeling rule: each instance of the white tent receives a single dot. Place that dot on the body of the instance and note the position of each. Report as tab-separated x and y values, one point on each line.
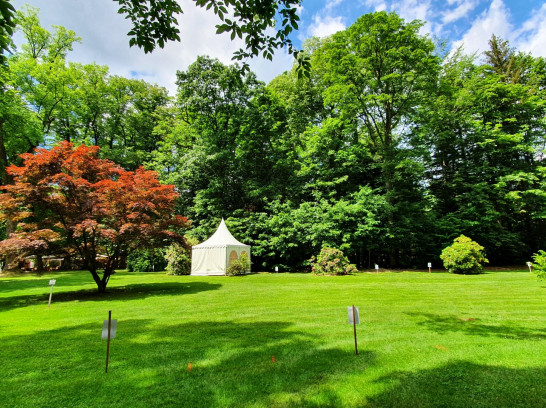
213	256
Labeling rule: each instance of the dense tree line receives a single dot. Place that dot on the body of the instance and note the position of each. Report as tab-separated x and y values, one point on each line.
389	149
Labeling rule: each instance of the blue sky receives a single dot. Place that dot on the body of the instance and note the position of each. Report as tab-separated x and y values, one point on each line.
461	22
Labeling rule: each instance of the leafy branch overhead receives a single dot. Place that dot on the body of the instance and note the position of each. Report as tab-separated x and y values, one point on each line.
154	23
7	26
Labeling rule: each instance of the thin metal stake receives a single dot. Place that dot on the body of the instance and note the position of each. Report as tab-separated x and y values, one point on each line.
354	328
50	294
108	341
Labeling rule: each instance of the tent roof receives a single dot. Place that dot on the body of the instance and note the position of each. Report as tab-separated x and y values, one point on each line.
221	238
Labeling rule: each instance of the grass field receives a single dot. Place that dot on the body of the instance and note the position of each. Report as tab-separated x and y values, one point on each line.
425	340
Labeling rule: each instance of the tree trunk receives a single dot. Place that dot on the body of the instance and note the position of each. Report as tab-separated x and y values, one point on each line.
12	263
66	264
39	264
101	286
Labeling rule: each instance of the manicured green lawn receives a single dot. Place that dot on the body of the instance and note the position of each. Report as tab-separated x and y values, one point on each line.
425	340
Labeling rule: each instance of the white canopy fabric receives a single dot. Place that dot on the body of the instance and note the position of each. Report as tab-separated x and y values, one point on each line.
213	256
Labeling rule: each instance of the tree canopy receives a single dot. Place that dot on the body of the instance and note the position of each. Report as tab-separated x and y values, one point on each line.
389	149
68	202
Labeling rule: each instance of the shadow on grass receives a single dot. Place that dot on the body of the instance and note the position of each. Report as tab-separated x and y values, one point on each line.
33	280
128	292
464	384
231	366
472	326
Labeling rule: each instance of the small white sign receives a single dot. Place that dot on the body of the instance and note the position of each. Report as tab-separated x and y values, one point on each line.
52	282
377	266
430	265
350	311
276	269
529	264
113	328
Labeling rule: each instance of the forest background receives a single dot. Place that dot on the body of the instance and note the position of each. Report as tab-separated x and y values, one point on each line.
391	148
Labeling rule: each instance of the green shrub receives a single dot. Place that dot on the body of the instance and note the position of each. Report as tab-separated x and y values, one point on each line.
178	260
464	256
539	264
146	260
331	261
239	266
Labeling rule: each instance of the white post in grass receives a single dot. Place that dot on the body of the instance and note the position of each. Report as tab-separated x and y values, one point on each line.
429	266
530	265
51	284
109	328
354	319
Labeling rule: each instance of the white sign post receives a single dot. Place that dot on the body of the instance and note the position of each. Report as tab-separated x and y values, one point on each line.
354	319
277	269
376	267
429	266
109	328
530	265
51	284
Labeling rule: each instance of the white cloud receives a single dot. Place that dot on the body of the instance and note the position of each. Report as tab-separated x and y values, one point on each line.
412	9
377	5
267	70
532	35
462	10
105	41
330	4
324	26
494	20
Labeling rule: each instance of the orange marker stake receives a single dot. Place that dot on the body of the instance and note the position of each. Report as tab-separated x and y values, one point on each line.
189	367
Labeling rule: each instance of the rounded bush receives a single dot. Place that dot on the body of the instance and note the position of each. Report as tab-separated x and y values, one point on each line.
464	256
239	266
178	260
331	261
539	264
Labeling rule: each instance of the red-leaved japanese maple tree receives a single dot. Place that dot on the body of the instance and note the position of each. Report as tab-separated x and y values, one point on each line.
69	201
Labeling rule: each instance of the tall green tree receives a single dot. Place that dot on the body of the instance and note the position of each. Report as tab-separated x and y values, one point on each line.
42	75
481	133
377	73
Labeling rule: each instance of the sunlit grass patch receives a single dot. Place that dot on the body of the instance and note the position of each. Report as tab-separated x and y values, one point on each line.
424	340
